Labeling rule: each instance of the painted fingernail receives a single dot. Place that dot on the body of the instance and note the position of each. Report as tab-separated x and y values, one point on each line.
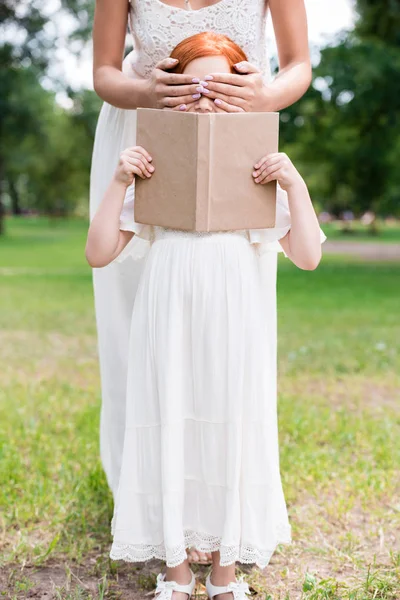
196	96
255	173
218	102
173	60
208	77
199	88
206	91
204	83
196	80
239	65
182	107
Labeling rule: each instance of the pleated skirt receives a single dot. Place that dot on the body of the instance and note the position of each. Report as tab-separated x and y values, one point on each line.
200	460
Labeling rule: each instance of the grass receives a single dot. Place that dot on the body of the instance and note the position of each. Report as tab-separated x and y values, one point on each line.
338	414
386	233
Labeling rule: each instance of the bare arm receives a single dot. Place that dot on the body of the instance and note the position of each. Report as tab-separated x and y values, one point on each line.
248	92
161	90
290	25
302	243
105	240
109	31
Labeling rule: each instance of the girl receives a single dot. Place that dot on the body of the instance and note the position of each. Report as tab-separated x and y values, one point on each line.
200	463
142	79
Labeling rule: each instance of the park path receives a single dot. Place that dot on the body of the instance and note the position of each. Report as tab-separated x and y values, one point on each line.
367	250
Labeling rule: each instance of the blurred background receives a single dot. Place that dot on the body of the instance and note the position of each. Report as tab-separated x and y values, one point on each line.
339	329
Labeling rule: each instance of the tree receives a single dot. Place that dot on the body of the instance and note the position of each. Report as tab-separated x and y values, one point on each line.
378	20
348	126
25	52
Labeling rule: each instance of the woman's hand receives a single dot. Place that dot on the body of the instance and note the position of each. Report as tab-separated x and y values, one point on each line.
238	93
133	161
172	91
277	165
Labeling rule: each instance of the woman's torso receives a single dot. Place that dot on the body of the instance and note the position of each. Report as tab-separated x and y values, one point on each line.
156	28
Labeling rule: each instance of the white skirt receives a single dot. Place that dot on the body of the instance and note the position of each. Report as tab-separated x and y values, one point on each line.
200	461
115	285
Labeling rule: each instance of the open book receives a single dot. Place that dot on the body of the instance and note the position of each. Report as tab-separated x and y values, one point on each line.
203	170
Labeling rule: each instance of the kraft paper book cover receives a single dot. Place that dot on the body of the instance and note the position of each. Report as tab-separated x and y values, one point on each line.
203	170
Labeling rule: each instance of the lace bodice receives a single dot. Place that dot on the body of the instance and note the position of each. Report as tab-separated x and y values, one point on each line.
157	28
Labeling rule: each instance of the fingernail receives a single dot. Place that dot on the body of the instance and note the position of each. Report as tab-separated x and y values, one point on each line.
196	96
173	60
199	88
151	168
205	83
256	166
239	65
206	91
196	80
149	158
217	101
182	107
208	77
255	173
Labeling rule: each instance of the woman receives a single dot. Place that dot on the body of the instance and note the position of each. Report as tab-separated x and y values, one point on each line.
200	461
157	27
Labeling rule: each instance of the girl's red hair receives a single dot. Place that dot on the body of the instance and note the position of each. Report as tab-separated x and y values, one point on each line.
203	44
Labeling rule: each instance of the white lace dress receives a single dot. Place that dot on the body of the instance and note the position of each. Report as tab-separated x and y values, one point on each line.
189	437
200	461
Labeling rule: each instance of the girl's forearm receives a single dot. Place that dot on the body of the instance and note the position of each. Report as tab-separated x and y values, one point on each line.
303	241
104	236
117	89
289	85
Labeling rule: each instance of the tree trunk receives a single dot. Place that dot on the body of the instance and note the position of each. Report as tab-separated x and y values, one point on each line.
2	208
374	227
15	202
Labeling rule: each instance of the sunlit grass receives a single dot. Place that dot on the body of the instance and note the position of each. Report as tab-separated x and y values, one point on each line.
358	232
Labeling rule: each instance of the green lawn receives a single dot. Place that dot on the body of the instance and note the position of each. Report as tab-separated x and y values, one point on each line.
385	233
338	413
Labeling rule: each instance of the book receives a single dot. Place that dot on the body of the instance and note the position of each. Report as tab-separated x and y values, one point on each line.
203	170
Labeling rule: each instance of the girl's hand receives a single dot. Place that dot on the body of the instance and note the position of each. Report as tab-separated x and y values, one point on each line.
277	165
133	161
238	93
173	91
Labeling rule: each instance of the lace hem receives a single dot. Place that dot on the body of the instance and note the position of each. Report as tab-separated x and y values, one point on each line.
204	542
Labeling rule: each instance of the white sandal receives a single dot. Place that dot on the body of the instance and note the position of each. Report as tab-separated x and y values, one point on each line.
164	588
239	588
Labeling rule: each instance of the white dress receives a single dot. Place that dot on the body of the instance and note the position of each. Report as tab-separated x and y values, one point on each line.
189	436
200	463
156	29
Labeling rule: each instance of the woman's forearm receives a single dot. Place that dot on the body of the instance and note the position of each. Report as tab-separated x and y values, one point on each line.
105	239
289	19
289	85
303	245
119	90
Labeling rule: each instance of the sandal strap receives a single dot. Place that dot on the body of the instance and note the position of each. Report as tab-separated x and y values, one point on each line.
165	588
239	588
